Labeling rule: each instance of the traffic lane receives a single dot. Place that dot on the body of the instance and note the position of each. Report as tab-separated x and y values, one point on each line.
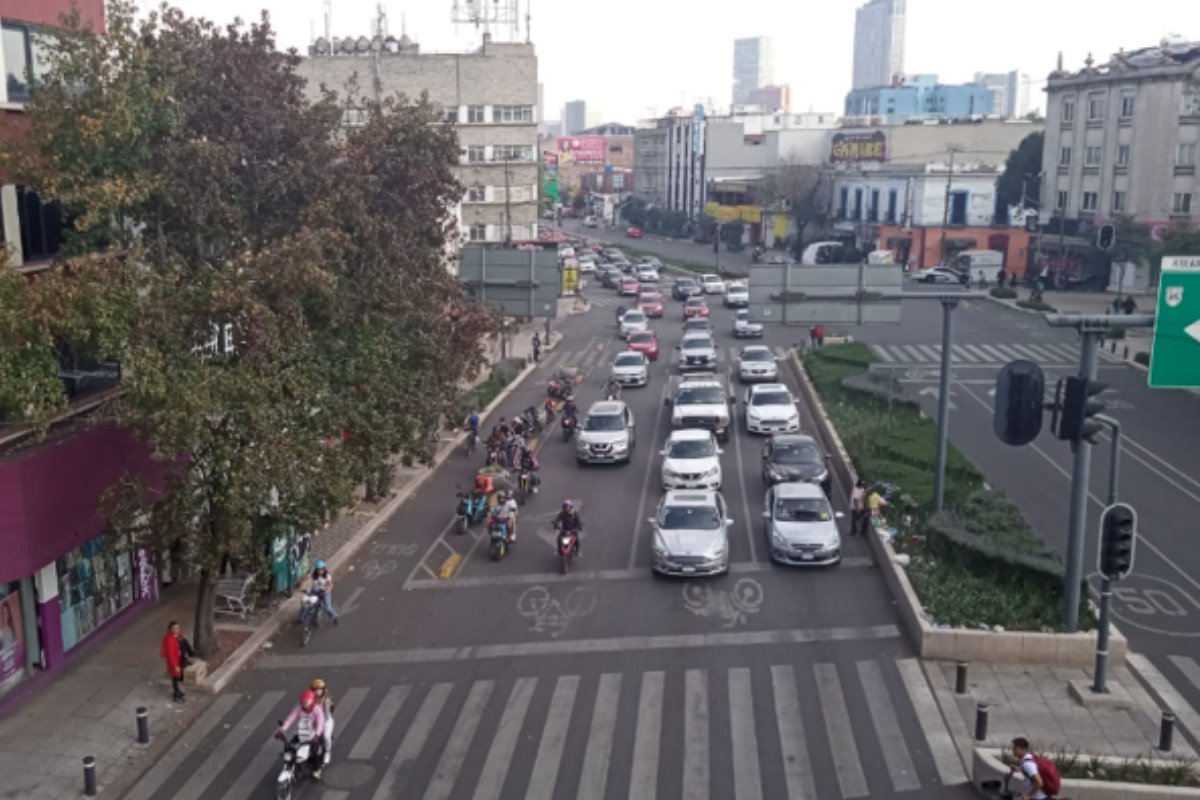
665	249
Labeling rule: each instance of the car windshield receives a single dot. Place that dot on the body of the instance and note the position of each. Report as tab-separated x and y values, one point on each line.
630	360
676	518
633	316
757	355
691	448
695	302
700	396
697	343
771	399
802	509
796	453
645	337
604	422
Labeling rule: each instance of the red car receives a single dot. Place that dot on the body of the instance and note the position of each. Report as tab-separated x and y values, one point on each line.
644	342
634	233
651	303
695	307
629	287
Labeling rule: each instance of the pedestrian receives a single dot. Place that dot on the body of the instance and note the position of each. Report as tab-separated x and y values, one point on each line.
858	508
1130	304
537	346
1039	774
1116	305
875	505
812	336
1001	277
177	651
819	331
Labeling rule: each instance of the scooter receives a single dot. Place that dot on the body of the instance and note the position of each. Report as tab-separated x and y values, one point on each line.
525	486
568	427
471	508
534	421
568	548
299	762
498	529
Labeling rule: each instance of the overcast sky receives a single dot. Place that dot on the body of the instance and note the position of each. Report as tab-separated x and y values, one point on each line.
630	57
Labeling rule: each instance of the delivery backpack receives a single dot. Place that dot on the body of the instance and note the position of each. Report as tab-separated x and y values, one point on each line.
1048	772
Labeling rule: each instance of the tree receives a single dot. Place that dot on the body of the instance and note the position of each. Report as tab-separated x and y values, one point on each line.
1018	180
803	187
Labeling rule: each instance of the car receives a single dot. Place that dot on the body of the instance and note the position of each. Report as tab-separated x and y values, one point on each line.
614	252
697	324
940	275
757	363
634	233
691	534
609	276
652	261
548	216
712	284
695	307
587	263
743	328
606	435
801	526
696	351
700	401
737	295
631	322
646	273
691	460
683	288
771	408
629	287
651	303
631	368
795	457
591	222
644	342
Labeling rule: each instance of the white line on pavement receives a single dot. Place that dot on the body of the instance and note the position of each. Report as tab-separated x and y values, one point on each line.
941	743
846	762
736	433
554	737
399	768
455	752
797	767
168	766
594	774
233	741
499	757
747	778
695	735
643	774
887	728
646	478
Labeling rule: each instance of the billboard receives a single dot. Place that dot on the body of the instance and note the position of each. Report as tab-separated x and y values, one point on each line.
581	150
858	147
522	283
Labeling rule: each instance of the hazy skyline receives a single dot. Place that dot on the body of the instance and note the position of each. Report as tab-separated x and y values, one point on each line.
626	58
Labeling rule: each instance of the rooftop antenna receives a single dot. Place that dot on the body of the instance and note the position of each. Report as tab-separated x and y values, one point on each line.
328	20
381	24
528	20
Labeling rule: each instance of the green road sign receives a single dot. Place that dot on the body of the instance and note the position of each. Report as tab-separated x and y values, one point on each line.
1175	352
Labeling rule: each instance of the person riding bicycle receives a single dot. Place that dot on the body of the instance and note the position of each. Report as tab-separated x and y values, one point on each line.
320	583
569	521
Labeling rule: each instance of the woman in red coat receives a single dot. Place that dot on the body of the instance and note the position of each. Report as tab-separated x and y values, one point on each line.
172	652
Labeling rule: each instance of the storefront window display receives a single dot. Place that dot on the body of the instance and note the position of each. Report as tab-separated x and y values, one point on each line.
12	638
94	583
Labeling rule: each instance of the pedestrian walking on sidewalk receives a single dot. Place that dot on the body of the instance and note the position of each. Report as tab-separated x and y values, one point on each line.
177	651
819	335
858	508
1039	774
1130	304
537	347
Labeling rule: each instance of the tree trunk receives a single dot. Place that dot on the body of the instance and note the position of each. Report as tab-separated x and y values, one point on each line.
204	632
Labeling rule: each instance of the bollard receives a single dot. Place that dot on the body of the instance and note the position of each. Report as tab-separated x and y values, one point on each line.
1114	346
1126	352
981	721
960	678
89	776
143	726
1166	731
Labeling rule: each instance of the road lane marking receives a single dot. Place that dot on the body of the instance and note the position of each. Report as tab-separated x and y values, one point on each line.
643	775
695	735
1165	690
455	752
747	778
618	644
398	769
638	521
887	728
231	743
882	352
797	768
735	431
941	743
846	762
385	713
499	757
975	352
594	775
168	766
554	737
452	562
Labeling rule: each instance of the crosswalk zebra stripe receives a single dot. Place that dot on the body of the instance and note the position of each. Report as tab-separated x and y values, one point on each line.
377	726
168	766
975	352
932	352
898	354
230	744
960	353
797	769
554	736
1189	668
1069	353
887	727
695	735
643	777
941	743
1011	353
747	780
993	353
455	751
846	762
398	770
883	353
1037	353
600	737
913	353
499	757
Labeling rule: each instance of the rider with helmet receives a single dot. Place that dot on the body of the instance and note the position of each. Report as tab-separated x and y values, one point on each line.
569	521
505	510
326	704
309	719
529	463
320	583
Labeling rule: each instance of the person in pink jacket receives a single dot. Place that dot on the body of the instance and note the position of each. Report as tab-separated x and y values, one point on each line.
309	719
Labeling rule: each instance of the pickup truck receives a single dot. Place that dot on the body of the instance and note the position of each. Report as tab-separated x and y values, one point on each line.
701	400
743	328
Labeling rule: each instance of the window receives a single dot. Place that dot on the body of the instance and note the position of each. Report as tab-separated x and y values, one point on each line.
1091	156
618	179
1068	109
1122	155
450	114
354	117
1181	203
1185	155
476	153
1090	201
41	226
475	114
512	152
891	206
1095	106
1127	106
512	114
873	211
1061	201
477	233
958	208
1191	103
1118	203
616	148
477	194
1064	157
843	202
23	59
858	204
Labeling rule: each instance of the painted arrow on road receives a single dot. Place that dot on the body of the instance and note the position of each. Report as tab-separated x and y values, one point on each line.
351	603
932	391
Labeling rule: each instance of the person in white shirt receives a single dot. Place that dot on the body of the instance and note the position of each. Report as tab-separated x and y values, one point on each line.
1029	770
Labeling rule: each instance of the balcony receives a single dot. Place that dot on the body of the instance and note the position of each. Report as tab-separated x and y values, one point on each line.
87	384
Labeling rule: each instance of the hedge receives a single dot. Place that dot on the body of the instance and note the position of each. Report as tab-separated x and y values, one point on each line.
1037	305
1003	293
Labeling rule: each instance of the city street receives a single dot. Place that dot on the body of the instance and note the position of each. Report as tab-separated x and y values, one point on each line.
460	677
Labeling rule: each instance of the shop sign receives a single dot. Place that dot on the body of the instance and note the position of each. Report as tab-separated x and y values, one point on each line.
12	639
581	150
858	147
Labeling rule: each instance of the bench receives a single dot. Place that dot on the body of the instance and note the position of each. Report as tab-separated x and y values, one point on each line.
235	595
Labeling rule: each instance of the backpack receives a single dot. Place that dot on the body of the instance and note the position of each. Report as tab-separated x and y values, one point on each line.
1048	772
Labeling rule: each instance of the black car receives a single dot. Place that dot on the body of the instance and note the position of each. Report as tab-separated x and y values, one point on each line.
609	277
790	457
684	288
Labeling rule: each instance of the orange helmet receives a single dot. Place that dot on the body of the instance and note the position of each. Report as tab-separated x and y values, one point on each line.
308	699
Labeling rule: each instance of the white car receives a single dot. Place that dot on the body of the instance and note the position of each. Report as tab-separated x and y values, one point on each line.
696	351
939	275
632	322
646	273
566	252
691	460
757	363
771	408
712	284
691	534
743	328
737	295
652	261
606	435
631	369
587	264
801	525
591	222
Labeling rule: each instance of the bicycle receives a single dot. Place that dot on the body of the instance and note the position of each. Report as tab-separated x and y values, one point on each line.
472	442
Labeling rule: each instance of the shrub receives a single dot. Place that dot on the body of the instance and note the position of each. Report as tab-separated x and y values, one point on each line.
1142	358
1003	293
1037	305
1114	333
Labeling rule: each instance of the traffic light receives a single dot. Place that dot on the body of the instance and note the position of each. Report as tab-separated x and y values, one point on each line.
1078	410
1017	418
1118	531
1106	237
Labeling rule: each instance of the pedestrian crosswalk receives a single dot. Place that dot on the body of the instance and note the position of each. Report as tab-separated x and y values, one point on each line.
795	730
601	353
1056	354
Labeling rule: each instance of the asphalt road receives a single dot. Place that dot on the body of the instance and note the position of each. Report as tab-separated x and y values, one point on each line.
508	680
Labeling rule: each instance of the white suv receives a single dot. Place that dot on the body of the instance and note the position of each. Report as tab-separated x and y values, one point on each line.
712	284
606	435
691	460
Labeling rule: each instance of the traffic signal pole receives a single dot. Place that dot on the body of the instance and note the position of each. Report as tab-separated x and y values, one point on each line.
1080	477
1100	679
949	304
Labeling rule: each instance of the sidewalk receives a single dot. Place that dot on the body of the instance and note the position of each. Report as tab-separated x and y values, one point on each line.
1137	340
89	709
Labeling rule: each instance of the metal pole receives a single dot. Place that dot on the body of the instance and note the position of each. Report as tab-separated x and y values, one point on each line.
143	726
981	721
1080	476
943	420
1166	731
89	776
1100	681
960	678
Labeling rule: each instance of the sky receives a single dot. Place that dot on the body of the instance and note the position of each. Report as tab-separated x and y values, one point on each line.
631	59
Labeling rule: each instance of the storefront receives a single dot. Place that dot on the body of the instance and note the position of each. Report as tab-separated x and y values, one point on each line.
95	583
14	635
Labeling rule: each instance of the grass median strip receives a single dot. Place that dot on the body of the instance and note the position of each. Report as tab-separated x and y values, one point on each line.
977	564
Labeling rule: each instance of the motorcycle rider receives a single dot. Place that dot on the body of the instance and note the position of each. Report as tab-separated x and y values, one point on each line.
529	463
326	703
504	511
620	312
309	719
569	521
570	409
320	583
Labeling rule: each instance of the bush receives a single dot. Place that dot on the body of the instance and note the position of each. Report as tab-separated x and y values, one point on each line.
1114	333
503	373
1142	358
1037	305
1003	293
1177	771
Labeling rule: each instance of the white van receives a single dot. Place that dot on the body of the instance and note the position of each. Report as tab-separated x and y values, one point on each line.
981	265
823	253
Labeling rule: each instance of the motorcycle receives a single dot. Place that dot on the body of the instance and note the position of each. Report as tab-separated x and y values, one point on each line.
498	530
568	547
471	508
534	420
311	617
548	409
756	257
525	486
299	762
612	390
568	427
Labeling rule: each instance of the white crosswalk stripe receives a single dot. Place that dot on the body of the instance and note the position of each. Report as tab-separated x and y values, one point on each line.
619	732
978	354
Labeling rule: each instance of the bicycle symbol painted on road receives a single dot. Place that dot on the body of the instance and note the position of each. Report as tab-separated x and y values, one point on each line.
549	614
373	569
731	607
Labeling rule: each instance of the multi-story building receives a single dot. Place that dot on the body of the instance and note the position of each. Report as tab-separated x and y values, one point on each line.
594	161
489	95
921	97
574	117
1010	92
772	99
669	162
878	43
1122	139
753	66
650	164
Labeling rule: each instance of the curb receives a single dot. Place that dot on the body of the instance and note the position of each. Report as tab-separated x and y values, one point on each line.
1166	696
220	677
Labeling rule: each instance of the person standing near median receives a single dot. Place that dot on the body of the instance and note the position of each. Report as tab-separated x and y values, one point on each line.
858	508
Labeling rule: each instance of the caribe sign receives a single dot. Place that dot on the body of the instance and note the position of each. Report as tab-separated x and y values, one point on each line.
859	147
